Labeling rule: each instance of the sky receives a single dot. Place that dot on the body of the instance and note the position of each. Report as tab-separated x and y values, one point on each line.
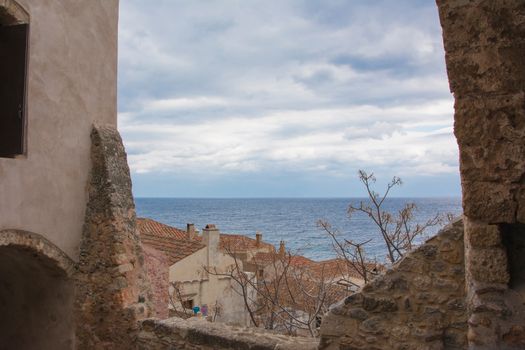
249	98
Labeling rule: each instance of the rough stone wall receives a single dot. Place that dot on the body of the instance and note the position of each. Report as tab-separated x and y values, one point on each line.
112	291
418	304
176	333
157	269
485	53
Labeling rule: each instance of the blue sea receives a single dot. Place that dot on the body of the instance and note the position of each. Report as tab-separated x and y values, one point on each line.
293	220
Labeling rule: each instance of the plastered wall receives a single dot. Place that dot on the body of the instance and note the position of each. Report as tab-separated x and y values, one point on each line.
71	85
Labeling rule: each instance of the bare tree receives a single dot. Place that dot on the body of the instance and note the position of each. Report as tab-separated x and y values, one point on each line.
398	231
177	301
288	297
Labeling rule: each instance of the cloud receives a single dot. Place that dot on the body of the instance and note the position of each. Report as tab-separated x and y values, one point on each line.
265	87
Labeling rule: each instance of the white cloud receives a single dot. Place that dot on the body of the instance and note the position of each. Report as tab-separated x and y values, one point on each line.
266	86
174	104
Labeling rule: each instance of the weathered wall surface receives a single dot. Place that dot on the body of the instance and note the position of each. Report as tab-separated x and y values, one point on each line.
111	286
157	269
194	334
71	84
485	54
418	304
485	46
208	289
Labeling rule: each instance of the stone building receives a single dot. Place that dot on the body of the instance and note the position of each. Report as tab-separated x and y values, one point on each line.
70	266
71	262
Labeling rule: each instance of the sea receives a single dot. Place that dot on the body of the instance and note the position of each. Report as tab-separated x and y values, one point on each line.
293	220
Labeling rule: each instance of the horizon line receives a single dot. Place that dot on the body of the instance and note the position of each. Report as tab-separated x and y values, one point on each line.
313	197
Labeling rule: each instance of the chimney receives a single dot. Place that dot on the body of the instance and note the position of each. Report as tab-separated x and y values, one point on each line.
210	237
190	231
258	239
282	249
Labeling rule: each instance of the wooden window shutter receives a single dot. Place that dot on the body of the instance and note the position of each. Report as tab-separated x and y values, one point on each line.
13	58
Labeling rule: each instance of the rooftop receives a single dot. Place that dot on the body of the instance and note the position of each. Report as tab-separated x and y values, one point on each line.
167	239
155	228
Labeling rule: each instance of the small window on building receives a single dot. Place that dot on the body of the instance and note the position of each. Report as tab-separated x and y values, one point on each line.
13	57
187	304
260	274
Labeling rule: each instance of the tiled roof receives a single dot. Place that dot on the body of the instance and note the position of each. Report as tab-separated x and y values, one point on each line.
265	258
169	240
240	243
328	269
155	228
340	267
299	260
174	249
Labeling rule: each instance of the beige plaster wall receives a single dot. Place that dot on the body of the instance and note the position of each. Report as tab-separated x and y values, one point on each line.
189	268
71	84
206	288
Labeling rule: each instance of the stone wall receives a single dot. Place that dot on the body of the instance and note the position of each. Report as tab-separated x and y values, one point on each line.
418	304
485	53
157	269
176	333
112	290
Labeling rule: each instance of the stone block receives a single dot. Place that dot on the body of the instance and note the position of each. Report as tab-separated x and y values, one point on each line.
422	282
481	235
489	130
373	325
490	202
488	265
473	23
453	257
494	304
379	304
410	264
448	284
358	314
487	69
337	326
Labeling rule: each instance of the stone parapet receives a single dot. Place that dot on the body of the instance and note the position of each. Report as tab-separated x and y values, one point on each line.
176	333
418	304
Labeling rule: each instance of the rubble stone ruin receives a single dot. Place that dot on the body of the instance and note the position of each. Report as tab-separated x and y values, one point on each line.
71	262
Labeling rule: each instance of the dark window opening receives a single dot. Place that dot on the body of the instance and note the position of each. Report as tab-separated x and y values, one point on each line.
187	304
514	241
13	57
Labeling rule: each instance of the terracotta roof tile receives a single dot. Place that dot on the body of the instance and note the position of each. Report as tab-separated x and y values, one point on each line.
339	267
264	258
174	249
240	243
155	228
169	240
